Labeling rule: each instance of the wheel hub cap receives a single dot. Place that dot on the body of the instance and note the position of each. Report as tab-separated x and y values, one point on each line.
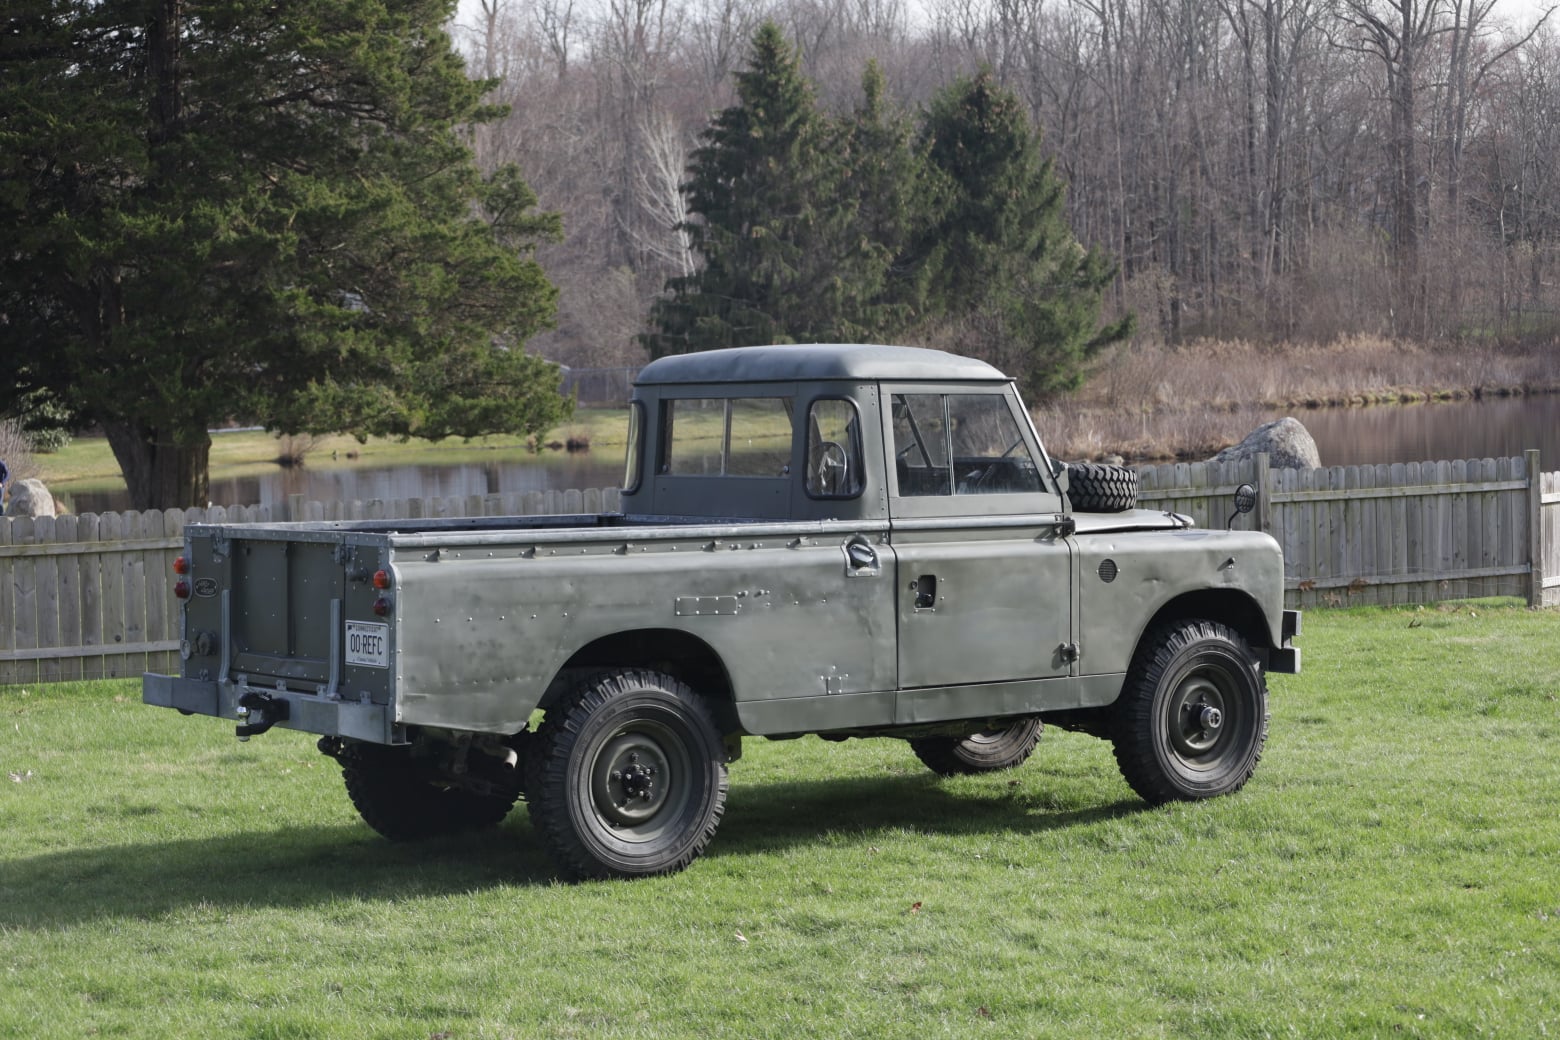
1198	719
630	783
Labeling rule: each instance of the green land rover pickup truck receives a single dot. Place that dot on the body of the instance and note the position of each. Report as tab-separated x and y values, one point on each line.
841	540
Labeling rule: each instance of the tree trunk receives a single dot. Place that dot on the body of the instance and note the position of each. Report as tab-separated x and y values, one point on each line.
160	471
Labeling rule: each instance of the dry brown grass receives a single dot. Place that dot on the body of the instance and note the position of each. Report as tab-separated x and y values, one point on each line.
1150	402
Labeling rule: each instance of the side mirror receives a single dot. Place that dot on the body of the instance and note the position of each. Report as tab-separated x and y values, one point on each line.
1245	502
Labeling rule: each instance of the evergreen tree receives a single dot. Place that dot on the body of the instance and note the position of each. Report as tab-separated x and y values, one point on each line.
999	256
889	183
774	225
264	212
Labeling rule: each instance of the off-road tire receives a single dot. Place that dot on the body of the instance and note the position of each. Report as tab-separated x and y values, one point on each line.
630	777
404	803
985	752
1094	487
1192	718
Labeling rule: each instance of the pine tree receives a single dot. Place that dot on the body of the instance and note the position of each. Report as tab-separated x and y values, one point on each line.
261	212
774	224
890	185
999	255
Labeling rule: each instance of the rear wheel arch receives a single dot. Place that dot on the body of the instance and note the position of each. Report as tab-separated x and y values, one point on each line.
668	651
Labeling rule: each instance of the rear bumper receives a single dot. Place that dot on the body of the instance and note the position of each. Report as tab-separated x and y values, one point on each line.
1285	659
311	713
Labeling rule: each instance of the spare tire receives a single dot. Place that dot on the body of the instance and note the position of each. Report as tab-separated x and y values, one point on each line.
1094	487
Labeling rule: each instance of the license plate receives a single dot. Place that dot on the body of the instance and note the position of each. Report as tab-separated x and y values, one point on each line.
368	644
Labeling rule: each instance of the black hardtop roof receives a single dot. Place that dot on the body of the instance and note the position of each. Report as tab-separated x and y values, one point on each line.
799	362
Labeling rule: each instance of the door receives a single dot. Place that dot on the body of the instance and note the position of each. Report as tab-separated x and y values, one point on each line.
985	589
983	606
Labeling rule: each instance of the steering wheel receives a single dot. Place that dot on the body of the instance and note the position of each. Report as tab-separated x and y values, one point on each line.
832	467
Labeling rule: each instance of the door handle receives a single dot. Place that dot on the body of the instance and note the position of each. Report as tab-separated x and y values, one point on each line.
925	589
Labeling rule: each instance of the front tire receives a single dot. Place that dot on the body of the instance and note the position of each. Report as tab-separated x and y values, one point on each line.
1192	718
985	752
630	777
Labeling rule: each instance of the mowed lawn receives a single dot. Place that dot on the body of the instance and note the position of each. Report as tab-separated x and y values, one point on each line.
1393	870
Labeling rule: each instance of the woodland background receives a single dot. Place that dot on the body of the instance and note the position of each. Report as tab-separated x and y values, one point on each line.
1277	171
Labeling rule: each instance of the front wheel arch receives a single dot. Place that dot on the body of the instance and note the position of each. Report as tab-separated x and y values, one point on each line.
1235	609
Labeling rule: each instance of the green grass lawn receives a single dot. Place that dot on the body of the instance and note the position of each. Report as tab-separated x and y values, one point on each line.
1393	870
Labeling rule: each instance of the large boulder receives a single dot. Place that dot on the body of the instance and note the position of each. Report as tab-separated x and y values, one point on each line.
1288	443
29	498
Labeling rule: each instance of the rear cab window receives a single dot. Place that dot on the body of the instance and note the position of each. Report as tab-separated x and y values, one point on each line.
727	437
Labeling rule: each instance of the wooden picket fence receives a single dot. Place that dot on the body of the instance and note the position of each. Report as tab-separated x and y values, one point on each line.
85	597
1416	532
89	596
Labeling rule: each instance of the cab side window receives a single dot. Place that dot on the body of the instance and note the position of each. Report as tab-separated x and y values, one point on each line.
921	444
990	456
960	444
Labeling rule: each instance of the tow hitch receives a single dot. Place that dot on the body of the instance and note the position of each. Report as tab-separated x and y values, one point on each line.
260	712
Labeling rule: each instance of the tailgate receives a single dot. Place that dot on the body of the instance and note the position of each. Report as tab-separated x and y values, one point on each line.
285	608
279	626
289	609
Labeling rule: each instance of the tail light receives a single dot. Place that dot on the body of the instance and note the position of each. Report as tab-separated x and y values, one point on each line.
181	567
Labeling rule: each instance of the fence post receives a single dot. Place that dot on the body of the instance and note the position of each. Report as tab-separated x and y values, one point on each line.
1535	481
1264	493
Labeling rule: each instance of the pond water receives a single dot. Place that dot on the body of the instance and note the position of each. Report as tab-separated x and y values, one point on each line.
326	483
1432	432
1344	437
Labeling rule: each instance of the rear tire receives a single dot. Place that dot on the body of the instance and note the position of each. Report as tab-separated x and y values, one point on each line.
399	800
630	777
984	752
1192	718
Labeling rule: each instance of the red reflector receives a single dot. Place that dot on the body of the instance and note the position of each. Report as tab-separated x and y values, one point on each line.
181	589
381	606
181	565
381	579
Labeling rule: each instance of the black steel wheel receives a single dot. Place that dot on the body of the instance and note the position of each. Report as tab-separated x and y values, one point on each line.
630	777
987	751
403	802
1094	487
1192	718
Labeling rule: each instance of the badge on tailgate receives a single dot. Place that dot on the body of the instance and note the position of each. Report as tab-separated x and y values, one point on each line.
368	643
